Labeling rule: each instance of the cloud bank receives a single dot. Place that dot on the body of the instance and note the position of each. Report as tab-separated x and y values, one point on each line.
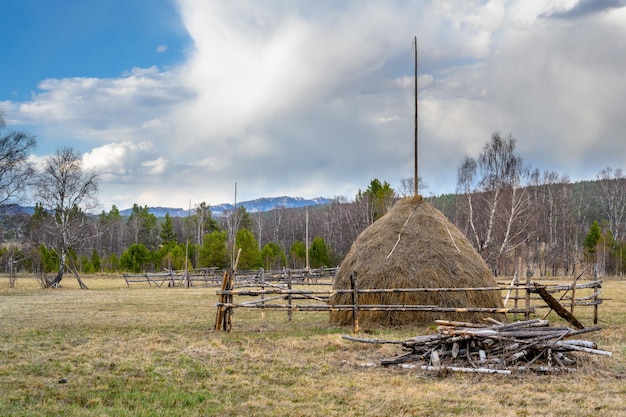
316	99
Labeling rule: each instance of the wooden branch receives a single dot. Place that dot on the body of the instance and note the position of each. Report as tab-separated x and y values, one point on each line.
374	341
457	323
467	370
569	346
526	345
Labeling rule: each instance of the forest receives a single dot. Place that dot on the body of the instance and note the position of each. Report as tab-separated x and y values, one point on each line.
509	212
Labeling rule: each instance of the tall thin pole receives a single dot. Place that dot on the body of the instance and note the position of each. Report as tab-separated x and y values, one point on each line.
306	237
415	177
187	246
235	224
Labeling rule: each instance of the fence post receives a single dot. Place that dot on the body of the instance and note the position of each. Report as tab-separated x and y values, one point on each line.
527	312
516	300
289	297
262	277
595	298
228	318
355	302
571	308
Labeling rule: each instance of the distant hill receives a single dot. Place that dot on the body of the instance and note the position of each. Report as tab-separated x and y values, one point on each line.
252	206
13	209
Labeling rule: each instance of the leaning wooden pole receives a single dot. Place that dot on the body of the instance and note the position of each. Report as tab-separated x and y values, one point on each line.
558	308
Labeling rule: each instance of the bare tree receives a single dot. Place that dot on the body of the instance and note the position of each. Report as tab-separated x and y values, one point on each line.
112	231
407	186
613	198
16	172
66	190
497	202
553	224
204	222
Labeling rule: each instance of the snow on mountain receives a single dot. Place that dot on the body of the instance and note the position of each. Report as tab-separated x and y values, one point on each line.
252	206
269	203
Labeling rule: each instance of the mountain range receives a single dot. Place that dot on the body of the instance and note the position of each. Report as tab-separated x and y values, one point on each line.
252	206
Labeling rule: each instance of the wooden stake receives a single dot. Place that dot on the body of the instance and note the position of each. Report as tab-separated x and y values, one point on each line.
355	302
289	297
220	308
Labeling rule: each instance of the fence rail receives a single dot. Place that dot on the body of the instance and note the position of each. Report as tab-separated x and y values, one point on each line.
212	277
522	295
274	290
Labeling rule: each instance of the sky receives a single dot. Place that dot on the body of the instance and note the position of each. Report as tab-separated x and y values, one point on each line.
173	102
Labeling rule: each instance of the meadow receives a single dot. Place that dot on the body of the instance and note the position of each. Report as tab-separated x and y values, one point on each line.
148	351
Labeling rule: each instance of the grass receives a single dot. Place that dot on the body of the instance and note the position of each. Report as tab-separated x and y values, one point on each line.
146	351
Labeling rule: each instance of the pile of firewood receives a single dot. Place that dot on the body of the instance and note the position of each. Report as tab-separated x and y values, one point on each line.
530	345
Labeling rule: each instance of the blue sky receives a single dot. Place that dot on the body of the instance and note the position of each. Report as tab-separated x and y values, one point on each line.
176	100
77	38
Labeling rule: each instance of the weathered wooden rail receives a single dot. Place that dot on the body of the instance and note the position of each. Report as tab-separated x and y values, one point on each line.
282	296
207	276
212	277
576	294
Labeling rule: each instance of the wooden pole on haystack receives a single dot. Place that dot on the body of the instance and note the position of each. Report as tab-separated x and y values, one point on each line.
306	240
415	177
235	226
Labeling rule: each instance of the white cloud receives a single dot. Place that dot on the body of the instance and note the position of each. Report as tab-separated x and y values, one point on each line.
316	99
155	167
93	108
117	158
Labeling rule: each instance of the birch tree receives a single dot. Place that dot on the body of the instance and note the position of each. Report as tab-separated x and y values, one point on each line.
64	189
112	232
204	222
407	187
497	203
613	198
15	171
143	226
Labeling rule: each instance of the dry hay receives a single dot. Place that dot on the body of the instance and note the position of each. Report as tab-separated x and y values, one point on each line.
415	246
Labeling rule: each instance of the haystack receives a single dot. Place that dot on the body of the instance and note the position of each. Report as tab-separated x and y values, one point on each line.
415	246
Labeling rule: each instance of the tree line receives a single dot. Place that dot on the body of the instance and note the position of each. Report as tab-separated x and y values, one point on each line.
510	212
507	210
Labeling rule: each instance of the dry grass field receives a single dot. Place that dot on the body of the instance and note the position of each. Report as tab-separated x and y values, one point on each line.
146	351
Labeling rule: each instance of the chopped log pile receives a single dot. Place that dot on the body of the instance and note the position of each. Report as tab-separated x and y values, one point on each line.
497	349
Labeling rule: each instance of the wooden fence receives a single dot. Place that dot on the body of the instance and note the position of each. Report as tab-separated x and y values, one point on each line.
213	277
519	298
539	295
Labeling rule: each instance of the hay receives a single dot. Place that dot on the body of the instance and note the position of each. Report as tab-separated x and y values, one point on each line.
415	246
